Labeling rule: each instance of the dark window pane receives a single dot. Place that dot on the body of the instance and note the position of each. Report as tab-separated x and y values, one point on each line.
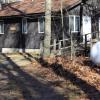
1	27
24	26
41	25
71	23
77	24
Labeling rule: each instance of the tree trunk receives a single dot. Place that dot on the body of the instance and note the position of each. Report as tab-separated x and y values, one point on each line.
47	38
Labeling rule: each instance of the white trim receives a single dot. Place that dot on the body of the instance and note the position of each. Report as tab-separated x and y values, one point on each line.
74	23
1	33
87	27
3	26
14	50
39	25
24	19
99	27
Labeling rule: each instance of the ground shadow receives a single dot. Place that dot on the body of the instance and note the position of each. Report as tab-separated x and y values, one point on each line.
92	66
31	88
27	56
92	92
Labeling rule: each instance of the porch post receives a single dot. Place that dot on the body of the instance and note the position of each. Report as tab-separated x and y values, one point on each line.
62	22
81	18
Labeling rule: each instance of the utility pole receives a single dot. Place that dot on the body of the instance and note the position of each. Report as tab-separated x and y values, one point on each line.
47	38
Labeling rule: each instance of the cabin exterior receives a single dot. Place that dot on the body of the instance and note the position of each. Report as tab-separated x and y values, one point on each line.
22	23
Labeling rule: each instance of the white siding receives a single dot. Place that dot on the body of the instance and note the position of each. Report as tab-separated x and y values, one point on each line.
87	26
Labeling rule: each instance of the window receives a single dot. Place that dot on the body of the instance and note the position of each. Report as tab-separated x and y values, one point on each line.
74	23
41	25
24	25
1	27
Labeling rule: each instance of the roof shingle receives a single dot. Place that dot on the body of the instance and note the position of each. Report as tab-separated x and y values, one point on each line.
35	6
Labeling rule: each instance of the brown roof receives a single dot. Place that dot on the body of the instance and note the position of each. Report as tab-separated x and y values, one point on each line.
35	6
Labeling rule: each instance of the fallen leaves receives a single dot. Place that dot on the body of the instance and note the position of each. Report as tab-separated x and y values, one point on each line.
85	72
81	67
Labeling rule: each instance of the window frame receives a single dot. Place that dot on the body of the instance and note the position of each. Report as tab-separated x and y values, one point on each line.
8	1
39	25
24	26
99	24
3	26
74	16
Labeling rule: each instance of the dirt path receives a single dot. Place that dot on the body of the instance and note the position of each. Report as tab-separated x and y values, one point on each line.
16	84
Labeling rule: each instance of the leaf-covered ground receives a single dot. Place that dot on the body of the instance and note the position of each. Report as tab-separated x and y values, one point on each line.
23	77
79	78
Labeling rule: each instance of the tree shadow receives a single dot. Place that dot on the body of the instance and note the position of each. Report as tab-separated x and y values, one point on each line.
31	88
92	66
91	91
27	56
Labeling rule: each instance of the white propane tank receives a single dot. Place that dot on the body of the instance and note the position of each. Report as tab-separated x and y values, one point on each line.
95	53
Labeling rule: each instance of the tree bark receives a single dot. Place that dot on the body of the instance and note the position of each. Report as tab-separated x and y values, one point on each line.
47	38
